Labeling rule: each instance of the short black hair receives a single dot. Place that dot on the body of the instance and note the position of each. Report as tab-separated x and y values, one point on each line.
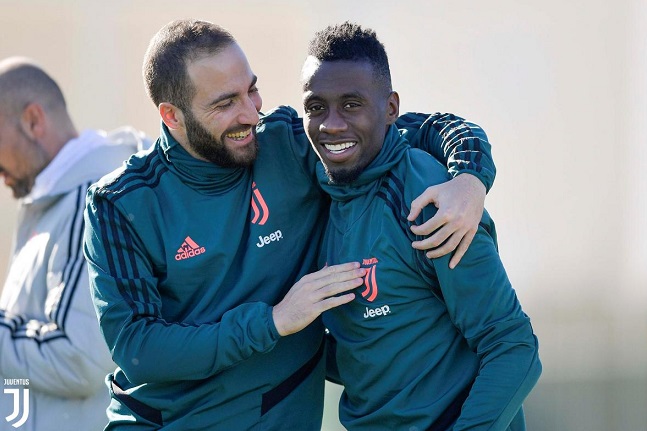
349	41
169	52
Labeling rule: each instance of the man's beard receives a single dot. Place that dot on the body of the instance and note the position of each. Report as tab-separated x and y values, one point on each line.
21	188
39	159
214	150
345	175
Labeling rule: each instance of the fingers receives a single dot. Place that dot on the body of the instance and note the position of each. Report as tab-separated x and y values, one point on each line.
462	248
447	247
442	228
334	272
336	287
315	293
456	241
330	280
430	195
441	218
333	282
336	301
452	228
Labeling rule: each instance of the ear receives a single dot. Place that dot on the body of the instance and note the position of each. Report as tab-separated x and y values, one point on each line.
171	115
33	121
392	108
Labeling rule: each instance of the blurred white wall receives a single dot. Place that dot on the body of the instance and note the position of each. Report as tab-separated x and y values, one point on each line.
560	88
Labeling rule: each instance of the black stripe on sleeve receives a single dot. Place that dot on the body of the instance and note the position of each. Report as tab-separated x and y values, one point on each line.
76	261
274	396
105	212
136	406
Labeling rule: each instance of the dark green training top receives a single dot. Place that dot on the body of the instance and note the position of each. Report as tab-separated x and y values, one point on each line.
421	347
186	261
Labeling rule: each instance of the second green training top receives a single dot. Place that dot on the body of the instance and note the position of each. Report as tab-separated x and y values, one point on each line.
421	347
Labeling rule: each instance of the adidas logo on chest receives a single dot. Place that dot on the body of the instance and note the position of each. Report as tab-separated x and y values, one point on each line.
188	249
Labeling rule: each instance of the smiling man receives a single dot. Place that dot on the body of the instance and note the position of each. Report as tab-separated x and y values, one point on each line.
421	347
202	250
346	144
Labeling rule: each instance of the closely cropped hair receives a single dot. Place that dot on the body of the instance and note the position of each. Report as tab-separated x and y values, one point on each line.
169	52
349	41
23	82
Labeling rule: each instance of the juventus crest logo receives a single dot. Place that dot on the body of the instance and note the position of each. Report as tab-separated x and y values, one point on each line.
370	293
17	406
260	212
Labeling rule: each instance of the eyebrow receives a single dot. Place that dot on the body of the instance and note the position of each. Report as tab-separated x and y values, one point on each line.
310	97
354	94
232	94
351	94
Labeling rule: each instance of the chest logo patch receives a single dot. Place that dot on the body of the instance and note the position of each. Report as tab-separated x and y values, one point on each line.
260	212
370	292
188	249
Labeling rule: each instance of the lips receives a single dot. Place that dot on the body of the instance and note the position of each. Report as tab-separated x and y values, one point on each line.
239	136
339	148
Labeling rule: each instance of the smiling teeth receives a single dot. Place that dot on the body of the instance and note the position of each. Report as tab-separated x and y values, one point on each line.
239	135
338	148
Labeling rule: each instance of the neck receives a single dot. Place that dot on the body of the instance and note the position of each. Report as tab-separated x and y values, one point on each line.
63	131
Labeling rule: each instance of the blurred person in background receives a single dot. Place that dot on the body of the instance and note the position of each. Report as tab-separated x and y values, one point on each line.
421	346
53	360
202	250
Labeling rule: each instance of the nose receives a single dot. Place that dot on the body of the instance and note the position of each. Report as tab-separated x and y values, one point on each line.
250	109
333	123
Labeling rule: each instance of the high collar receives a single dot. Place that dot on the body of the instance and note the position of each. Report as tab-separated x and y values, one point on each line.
391	152
85	158
205	177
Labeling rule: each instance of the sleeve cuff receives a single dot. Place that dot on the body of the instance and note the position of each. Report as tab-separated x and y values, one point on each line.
274	333
484	179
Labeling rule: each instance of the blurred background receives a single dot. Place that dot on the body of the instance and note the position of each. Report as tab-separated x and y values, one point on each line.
560	87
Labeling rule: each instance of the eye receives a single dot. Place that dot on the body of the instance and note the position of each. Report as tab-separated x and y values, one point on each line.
254	89
313	108
225	104
352	105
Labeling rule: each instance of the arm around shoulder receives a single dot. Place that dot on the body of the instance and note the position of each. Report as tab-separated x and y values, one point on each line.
464	148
